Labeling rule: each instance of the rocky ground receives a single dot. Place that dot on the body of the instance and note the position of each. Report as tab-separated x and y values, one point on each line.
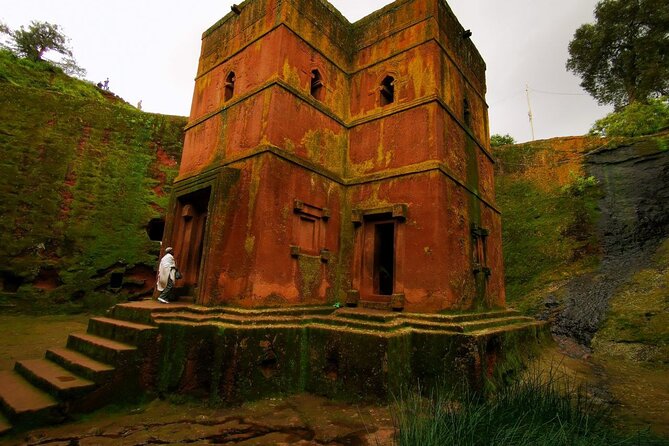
297	420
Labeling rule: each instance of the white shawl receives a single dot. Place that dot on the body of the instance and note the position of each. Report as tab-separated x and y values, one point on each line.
166	270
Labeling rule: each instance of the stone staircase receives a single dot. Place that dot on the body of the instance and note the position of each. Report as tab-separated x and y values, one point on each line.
93	369
116	358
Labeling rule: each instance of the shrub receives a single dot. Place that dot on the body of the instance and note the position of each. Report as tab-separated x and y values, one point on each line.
497	140
636	119
578	184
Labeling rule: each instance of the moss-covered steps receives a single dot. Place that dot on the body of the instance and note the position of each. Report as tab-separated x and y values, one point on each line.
86	374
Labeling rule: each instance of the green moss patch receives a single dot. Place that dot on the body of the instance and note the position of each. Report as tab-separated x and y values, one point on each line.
636	325
548	221
80	177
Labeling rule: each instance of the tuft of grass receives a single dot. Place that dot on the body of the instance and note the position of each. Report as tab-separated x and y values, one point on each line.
542	409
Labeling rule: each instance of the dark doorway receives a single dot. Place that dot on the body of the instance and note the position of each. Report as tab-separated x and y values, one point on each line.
155	229
188	235
116	280
384	258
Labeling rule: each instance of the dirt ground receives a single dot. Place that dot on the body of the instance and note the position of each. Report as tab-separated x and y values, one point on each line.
638	396
28	337
296	420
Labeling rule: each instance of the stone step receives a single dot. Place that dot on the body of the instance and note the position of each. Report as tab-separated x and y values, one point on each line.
81	364
24	403
361	324
539	325
435	326
463	317
140	312
366	314
5	426
53	378
226	319
102	349
120	330
491	323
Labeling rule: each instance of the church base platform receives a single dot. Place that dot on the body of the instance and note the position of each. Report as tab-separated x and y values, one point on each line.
234	355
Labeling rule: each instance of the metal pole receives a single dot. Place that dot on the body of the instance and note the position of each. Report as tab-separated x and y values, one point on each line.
529	109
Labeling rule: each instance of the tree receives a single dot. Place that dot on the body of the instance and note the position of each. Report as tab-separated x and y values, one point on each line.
636	119
497	140
624	56
41	37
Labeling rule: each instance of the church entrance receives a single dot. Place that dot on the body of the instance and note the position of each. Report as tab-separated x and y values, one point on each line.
188	237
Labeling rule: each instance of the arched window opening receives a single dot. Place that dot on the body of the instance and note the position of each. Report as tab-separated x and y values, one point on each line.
316	85
388	90
229	85
467	113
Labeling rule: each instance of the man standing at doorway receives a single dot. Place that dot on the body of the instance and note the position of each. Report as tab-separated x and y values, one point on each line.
166	276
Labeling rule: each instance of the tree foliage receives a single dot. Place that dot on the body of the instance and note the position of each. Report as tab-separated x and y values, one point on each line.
624	56
497	140
636	119
40	38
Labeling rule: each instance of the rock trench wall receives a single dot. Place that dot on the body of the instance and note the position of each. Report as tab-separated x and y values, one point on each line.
81	177
583	218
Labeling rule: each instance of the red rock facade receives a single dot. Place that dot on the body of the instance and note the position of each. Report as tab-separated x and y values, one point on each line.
331	162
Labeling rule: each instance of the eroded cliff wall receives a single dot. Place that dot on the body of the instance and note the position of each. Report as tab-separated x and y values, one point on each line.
586	222
82	174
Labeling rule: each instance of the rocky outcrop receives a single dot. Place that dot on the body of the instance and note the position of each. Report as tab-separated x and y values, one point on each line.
603	224
634	218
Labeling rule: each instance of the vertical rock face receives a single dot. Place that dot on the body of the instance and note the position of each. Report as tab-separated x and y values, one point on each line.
329	162
595	212
634	220
635	206
82	178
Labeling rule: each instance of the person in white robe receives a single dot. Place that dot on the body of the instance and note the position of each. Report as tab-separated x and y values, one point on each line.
166	276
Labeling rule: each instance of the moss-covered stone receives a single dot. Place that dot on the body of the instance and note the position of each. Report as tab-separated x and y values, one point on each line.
81	176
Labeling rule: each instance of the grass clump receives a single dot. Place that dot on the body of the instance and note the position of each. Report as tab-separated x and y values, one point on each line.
43	75
539	410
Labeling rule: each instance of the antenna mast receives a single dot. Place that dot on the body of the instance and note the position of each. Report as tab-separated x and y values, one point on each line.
529	109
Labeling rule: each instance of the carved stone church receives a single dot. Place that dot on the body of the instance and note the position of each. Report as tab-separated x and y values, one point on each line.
327	162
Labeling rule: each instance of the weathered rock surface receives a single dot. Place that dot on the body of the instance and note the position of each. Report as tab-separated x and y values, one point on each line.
634	180
298	420
583	217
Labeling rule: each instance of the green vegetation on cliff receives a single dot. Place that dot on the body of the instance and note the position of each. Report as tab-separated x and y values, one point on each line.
549	212
81	175
585	226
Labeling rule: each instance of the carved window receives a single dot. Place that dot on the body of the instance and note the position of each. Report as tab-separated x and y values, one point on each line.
317	89
229	85
387	89
309	230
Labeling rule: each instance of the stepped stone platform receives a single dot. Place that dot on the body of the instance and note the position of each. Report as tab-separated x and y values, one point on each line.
235	354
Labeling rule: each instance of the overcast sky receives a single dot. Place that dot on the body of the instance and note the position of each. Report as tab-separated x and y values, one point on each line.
149	51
